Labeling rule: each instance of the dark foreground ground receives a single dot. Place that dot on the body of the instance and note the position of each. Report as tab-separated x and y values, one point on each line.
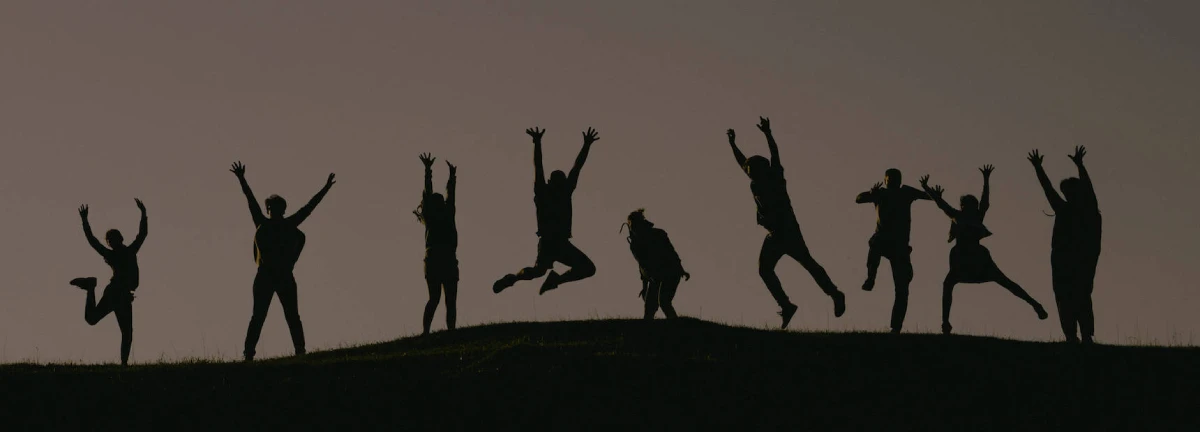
622	375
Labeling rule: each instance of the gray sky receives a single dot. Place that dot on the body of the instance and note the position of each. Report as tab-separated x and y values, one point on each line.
102	102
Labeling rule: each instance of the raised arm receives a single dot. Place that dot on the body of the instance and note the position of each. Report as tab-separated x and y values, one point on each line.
1056	201
1080	152
427	160
451	182
935	193
869	196
307	210
141	236
764	125
737	154
87	232
256	212
539	171
984	198
589	137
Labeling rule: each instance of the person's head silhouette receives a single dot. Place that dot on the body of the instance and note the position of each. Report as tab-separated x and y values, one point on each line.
114	238
276	206
969	204
893	179
758	167
558	180
1072	189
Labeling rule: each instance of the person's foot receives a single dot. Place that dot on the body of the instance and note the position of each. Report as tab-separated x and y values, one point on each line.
248	358
504	282
895	331
1072	339
550	283
300	352
84	283
789	310
869	284
1041	311
946	328
1087	340
839	303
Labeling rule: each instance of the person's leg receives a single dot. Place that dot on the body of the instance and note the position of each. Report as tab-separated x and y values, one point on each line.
581	267
947	301
288	298
653	288
451	287
1016	289
873	259
94	311
1085	285
796	248
124	312
435	296
902	275
1064	296
263	291
768	258
666	294
543	263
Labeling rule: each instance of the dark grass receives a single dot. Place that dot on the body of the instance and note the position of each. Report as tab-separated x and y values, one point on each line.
624	374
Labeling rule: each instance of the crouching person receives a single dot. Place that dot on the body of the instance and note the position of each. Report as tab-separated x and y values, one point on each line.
658	263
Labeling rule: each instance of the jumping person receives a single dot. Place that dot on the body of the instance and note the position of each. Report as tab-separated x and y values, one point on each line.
893	224
658	264
278	242
1075	246
775	213
553	202
970	261
441	244
118	295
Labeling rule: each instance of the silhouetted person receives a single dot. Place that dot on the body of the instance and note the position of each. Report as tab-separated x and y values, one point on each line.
658	263
1075	246
970	261
118	295
893	223
783	231
278	242
553	202
441	244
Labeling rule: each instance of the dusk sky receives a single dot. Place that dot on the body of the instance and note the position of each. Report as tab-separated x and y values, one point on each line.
102	102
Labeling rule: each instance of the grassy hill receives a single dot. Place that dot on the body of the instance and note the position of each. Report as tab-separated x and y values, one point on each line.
622	374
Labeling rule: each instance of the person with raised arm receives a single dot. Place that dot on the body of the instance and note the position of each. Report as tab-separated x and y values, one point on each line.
118	295
1075	246
970	261
893	225
775	214
278	242
658	264
437	213
553	202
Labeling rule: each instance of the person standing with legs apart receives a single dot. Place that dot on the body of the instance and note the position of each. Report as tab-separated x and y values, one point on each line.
775	213
553	202
278	242
441	244
893	224
118	295
658	264
1075	246
970	261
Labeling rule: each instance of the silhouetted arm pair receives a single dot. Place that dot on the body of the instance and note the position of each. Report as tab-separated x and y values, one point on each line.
256	212
935	193
304	212
589	137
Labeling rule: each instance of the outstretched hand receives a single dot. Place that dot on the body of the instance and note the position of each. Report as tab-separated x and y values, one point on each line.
925	181
83	211
764	124
141	206
987	170
427	159
936	191
590	137
536	134
453	169
731	135
238	169
329	181
1035	158
1080	152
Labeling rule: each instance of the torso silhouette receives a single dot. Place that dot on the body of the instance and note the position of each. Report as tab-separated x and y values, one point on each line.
277	245
893	209
553	210
655	255
123	262
773	204
1077	226
441	232
968	229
